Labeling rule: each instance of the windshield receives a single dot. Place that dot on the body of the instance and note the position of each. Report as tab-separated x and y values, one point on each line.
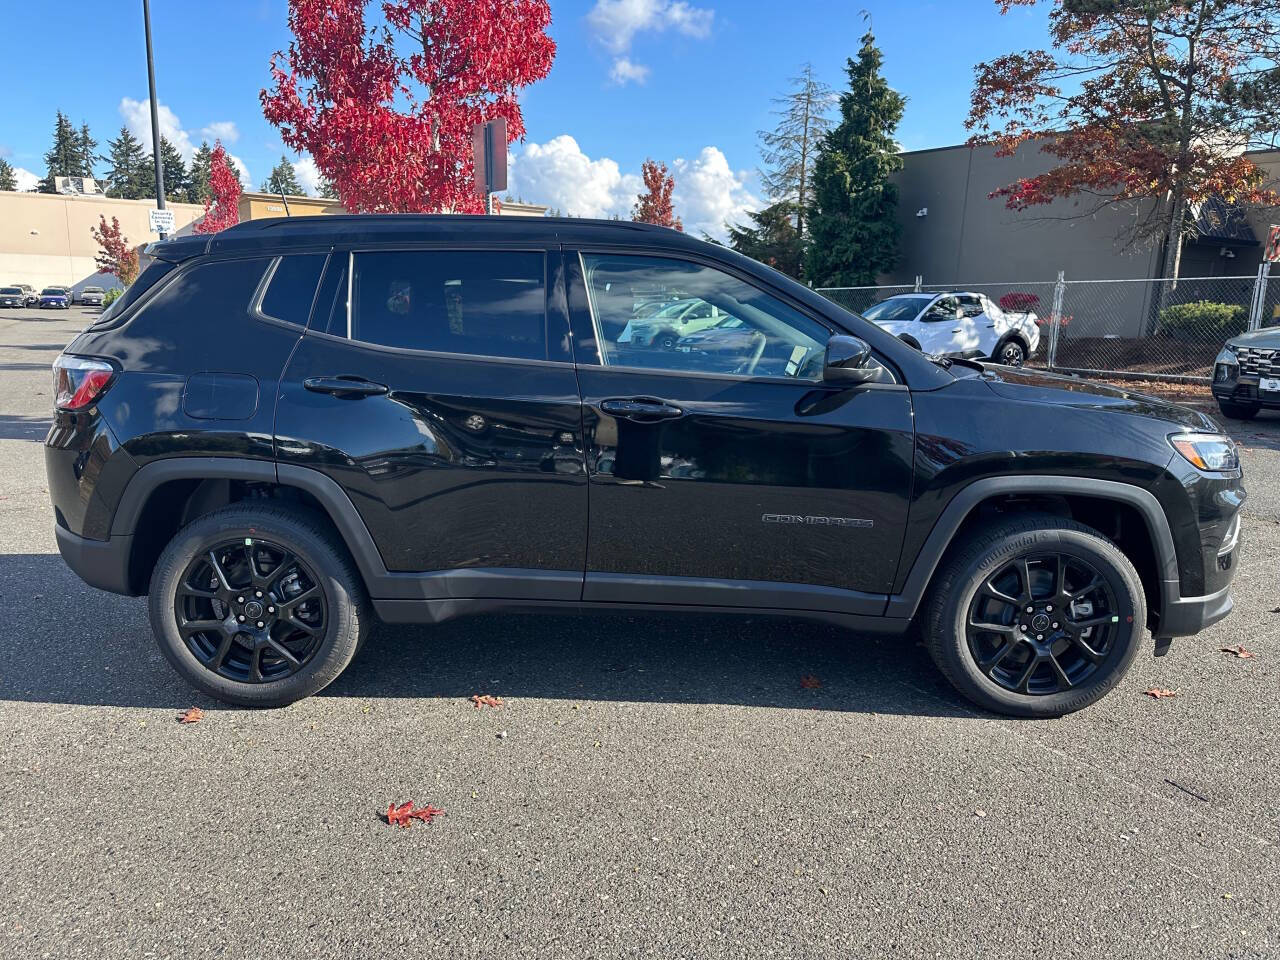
897	308
91	290
9	290
50	292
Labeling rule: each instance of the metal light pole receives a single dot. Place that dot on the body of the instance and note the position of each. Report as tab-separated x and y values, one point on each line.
155	114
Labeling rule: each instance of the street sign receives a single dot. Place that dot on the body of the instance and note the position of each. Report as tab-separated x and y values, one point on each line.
161	221
1271	253
489	148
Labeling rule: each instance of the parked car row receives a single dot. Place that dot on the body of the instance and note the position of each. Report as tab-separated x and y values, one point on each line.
54	296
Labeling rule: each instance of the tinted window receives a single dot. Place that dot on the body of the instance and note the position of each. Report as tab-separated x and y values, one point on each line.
292	287
211	292
10	291
156	271
738	329
482	303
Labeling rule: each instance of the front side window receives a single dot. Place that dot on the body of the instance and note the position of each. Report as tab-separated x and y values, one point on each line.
731	327
483	303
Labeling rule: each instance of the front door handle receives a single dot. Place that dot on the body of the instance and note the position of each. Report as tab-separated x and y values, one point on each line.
345	386
641	409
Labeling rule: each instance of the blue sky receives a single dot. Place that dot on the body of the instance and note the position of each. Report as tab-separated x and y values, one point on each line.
684	81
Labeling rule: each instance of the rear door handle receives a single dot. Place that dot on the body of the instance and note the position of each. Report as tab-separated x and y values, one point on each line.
641	409
345	386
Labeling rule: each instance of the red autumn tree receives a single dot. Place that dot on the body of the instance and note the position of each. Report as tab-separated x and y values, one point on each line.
654	205
222	209
116	256
1145	106
386	112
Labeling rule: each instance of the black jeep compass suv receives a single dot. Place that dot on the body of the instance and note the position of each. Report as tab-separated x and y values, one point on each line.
296	424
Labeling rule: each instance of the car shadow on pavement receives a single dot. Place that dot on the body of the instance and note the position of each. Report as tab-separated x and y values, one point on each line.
81	646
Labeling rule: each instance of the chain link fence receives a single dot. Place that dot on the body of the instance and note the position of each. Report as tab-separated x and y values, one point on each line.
1151	329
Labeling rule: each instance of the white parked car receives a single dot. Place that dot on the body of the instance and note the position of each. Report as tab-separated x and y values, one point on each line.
959	324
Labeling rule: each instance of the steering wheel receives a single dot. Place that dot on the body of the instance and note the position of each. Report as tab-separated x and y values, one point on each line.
748	367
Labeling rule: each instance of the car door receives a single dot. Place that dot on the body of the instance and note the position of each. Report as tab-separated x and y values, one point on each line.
435	386
725	472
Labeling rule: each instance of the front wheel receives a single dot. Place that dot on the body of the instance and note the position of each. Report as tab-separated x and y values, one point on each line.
1035	616
1011	353
258	605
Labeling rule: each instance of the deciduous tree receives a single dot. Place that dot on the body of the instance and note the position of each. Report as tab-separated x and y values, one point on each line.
116	256
788	150
773	240
853	224
222	206
282	180
387	111
1143	105
654	204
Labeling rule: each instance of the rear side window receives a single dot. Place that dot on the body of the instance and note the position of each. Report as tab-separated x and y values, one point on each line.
484	303
292	287
156	271
210	293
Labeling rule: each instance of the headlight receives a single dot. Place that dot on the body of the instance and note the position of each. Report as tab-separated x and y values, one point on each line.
1211	452
1227	357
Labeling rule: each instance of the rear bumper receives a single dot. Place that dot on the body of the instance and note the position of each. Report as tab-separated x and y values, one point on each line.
100	563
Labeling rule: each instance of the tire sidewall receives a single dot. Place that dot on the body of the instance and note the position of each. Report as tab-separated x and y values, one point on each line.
1119	576
337	647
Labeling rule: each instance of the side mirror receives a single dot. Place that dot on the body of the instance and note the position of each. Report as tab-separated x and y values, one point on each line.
848	362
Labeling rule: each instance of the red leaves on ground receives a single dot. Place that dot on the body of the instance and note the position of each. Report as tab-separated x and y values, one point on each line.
1239	652
402	815
192	715
486	700
810	682
1156	693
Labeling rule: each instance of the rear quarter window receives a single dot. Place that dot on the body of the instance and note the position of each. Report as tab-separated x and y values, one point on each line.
291	288
209	293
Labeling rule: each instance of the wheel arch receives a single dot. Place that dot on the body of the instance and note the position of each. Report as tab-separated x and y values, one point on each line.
1083	498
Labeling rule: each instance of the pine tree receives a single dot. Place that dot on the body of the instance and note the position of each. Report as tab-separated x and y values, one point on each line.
853	227
63	158
88	151
130	166
327	189
7	179
282	180
789	149
773	240
177	183
199	189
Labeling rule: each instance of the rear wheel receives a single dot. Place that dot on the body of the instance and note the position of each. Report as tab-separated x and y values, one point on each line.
258	605
1036	616
1238	411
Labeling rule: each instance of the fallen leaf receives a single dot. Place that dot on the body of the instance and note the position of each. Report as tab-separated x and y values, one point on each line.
979	813
1156	693
810	682
486	700
191	715
402	815
1239	652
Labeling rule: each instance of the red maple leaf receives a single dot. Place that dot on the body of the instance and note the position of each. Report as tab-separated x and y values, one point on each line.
1239	652
191	715
402	815
1156	693
486	700
810	682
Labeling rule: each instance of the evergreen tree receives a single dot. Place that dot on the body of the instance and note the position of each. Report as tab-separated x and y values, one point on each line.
327	190
199	189
789	149
773	240
130	167
88	151
282	180
63	158
177	183
7	179
853	227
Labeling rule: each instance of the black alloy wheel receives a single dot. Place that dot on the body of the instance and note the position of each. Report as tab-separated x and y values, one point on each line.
1012	353
250	610
1042	623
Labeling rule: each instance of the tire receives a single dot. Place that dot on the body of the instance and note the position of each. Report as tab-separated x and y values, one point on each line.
1238	411
666	340
322	562
995	554
1011	352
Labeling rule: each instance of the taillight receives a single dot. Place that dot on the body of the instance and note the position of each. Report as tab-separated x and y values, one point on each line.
78	382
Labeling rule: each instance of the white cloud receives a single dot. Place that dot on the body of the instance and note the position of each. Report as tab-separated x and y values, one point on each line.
137	118
615	23
224	130
246	181
560	175
625	71
25	179
309	176
710	193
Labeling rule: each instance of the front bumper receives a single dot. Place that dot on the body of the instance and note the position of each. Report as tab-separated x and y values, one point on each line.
1187	616
100	563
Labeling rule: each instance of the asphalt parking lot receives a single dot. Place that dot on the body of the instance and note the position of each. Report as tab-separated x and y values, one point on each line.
650	786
